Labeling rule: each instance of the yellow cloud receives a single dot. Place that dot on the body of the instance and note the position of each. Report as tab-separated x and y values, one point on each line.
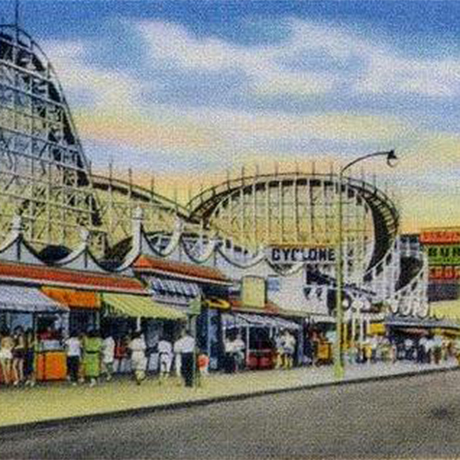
143	133
430	152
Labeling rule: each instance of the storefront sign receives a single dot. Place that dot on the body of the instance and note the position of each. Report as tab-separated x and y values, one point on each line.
443	254
195	306
448	272
254	291
440	236
290	255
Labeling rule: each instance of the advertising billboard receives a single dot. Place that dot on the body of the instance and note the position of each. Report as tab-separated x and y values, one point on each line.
447	272
447	254
447	235
254	291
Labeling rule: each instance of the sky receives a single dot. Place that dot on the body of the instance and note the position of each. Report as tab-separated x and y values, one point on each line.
190	91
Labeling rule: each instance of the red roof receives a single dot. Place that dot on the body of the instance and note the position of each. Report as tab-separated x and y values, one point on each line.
148	264
51	276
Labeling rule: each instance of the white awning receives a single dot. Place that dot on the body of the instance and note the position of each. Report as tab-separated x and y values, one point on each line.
286	324
21	299
230	321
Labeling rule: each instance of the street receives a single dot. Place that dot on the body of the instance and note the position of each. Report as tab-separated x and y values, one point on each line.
416	417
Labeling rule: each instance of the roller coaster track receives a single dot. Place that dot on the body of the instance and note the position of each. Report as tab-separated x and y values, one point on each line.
384	213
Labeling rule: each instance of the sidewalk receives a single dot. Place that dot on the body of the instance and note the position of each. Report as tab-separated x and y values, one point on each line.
57	401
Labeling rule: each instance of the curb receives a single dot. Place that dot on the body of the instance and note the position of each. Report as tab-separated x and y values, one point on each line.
76	420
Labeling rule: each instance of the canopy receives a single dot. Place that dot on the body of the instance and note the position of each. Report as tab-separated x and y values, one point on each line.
244	320
73	298
140	307
22	299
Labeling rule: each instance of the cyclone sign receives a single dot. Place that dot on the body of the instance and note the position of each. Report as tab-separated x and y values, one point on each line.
296	254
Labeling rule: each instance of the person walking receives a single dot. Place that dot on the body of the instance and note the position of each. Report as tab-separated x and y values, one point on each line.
289	343
92	346
73	351
6	356
108	356
186	347
177	359
138	358
19	353
422	349
238	349
29	362
165	352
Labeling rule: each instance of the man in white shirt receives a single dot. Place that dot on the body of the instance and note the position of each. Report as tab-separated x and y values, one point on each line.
186	347
238	349
73	351
165	353
108	356
138	359
422	350
288	349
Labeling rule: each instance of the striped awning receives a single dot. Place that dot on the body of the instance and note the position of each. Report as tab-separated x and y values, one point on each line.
139	307
22	299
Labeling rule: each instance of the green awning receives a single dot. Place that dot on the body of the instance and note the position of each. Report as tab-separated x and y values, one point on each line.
140	307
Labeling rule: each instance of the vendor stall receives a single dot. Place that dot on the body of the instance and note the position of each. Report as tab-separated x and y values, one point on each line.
31	309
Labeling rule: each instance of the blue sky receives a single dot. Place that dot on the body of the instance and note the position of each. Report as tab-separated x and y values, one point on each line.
189	89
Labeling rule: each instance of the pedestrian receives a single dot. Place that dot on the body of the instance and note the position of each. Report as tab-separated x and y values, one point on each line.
409	348
29	362
437	346
186	347
279	360
6	356
373	345
289	343
177	359
165	352
422	349
238	349
73	351
230	360
19	353
121	353
108	356
137	346
92	346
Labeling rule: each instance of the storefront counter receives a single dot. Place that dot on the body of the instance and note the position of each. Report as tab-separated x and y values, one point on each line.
51	365
260	359
324	354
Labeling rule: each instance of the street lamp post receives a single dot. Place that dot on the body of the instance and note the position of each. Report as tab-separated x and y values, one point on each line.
338	358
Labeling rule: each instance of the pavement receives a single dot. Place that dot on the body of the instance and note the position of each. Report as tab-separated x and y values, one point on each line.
415	417
53	403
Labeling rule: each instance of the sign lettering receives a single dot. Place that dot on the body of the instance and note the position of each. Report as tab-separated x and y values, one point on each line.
293	255
443	254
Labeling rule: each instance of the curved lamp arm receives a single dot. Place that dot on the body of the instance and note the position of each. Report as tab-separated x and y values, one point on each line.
390	154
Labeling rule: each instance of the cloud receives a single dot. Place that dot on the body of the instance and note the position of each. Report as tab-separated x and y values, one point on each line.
103	88
341	60
174	46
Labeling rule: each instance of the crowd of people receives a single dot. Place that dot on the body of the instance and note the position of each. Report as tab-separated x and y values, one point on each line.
16	355
424	349
281	348
92	357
